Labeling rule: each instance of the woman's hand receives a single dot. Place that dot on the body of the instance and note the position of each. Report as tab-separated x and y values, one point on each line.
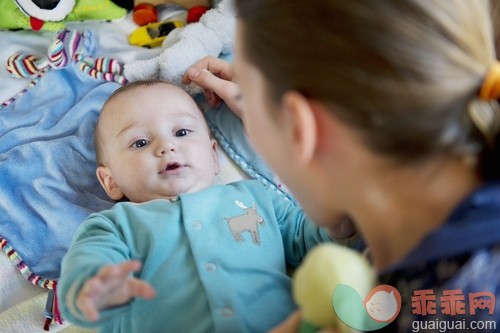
216	77
111	286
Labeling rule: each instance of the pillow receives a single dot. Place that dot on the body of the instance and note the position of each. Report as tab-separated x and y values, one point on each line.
12	17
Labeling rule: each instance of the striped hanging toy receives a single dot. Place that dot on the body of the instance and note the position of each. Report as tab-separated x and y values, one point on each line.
67	46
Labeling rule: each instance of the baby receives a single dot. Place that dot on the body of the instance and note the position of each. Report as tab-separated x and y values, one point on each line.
178	253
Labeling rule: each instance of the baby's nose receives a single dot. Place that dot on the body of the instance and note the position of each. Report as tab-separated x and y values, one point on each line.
165	147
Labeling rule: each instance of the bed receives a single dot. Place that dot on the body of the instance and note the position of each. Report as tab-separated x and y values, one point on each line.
47	183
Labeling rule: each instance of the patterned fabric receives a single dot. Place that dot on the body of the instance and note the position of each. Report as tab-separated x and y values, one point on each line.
12	17
22	65
451	281
67	46
23	268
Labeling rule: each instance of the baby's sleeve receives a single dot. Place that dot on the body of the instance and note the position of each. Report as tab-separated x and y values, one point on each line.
97	242
298	232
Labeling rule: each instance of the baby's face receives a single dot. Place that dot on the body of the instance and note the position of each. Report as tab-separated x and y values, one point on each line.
156	144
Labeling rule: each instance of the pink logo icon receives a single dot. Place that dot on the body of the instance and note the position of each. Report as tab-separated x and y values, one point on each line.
383	303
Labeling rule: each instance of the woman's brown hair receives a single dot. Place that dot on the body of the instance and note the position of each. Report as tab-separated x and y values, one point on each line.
404	74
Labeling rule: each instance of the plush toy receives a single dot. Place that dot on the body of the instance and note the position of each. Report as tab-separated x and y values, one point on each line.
184	3
130	4
53	14
324	268
212	35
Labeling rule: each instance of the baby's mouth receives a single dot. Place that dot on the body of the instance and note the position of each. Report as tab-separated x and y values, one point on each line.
172	168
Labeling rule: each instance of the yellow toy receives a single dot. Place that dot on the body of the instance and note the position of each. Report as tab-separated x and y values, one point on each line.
314	282
153	34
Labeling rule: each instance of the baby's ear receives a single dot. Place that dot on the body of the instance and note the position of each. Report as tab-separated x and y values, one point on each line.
107	182
216	157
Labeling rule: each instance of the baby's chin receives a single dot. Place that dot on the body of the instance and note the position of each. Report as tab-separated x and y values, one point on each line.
173	191
177	189
151	197
172	196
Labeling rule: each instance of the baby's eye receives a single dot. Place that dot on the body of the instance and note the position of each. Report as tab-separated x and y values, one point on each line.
183	132
140	143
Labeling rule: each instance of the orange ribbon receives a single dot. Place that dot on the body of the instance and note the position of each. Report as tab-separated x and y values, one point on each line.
491	85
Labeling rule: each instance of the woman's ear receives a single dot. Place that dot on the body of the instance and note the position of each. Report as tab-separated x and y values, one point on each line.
107	182
303	126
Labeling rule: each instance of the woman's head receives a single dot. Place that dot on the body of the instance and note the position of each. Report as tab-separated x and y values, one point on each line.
405	75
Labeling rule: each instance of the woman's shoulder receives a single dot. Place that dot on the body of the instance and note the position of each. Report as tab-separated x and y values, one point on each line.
481	270
468	271
460	289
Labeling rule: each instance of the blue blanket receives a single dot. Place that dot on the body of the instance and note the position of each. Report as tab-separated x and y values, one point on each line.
47	166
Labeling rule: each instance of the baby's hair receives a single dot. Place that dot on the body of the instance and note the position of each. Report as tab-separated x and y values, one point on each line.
131	86
120	91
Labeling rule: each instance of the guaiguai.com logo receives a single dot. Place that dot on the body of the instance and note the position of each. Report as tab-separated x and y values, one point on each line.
378	309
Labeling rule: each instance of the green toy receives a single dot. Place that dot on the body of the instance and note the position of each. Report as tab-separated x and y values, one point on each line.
25	14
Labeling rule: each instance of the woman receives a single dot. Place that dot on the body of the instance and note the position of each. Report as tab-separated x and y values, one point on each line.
384	113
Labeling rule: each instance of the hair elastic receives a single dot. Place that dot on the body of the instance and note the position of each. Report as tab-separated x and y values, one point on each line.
491	85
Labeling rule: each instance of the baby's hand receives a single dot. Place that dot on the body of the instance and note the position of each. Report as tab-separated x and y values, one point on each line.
111	286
